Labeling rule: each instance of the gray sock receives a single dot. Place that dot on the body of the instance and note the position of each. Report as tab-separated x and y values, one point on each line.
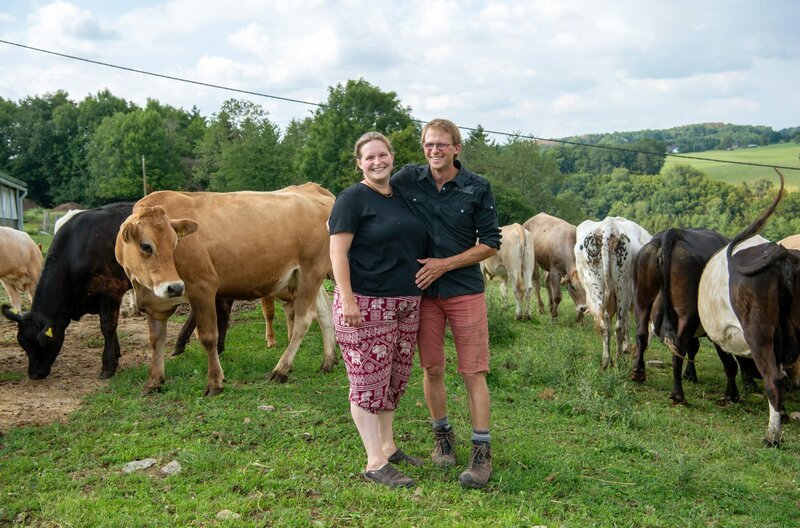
442	424
480	436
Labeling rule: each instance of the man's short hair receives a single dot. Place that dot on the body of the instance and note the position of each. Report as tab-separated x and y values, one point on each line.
442	125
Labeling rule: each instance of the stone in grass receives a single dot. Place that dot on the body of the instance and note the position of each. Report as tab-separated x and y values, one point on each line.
267	408
794	416
227	515
137	465
173	468
655	363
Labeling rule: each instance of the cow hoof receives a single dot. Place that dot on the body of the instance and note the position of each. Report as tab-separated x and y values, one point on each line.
638	376
678	399
690	377
150	390
107	374
277	377
772	443
211	392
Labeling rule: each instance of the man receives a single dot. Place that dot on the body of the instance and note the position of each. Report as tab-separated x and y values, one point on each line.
458	209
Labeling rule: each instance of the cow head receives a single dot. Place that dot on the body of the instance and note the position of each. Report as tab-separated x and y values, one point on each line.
145	247
39	338
576	291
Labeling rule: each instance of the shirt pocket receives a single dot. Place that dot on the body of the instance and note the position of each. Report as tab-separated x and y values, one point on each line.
462	214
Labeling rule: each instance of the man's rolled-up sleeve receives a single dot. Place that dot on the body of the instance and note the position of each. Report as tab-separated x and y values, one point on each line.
488	228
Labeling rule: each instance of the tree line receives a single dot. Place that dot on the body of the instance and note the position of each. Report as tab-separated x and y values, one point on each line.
93	152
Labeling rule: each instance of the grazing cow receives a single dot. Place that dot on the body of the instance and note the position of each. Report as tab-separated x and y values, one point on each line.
554	240
604	255
746	305
80	276
178	247
513	263
20	265
666	275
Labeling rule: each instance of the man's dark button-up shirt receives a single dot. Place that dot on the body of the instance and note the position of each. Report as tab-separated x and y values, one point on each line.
456	217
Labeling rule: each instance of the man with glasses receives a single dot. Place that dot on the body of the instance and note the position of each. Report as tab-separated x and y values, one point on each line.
458	210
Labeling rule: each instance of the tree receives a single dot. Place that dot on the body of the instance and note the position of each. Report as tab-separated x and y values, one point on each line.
350	111
115	157
241	149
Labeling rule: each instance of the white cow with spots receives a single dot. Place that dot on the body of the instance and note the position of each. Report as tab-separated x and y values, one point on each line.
513	263
604	255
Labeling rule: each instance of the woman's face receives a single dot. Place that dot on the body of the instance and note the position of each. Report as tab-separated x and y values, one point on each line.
376	161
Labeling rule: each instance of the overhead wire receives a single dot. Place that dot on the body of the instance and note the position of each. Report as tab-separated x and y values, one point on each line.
322	105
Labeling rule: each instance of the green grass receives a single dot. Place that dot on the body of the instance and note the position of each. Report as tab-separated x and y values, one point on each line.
573	445
785	154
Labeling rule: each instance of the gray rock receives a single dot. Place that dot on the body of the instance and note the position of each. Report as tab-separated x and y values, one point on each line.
138	465
227	515
794	416
173	468
268	408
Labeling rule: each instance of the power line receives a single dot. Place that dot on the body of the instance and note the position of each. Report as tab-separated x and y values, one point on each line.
322	105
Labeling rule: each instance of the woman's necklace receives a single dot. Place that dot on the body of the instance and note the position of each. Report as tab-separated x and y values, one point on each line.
371	186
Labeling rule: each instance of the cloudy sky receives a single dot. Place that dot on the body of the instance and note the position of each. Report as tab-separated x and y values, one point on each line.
550	68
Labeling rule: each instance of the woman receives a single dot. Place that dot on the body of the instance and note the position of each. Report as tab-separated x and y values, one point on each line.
375	243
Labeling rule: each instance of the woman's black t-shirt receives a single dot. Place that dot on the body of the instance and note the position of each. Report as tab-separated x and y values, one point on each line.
387	241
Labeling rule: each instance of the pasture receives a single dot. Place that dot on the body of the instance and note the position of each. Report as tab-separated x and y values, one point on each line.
785	154
573	446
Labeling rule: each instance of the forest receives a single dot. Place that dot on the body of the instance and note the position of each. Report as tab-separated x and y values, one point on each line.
102	148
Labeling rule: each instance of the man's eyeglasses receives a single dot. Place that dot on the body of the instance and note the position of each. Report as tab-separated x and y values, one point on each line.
439	146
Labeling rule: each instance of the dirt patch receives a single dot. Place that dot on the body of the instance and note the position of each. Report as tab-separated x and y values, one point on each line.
75	372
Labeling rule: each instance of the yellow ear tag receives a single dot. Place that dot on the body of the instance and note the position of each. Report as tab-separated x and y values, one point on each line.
49	332
13	311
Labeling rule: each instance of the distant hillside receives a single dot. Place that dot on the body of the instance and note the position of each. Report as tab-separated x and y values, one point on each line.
786	154
700	137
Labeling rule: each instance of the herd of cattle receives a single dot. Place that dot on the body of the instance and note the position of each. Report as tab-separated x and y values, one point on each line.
208	249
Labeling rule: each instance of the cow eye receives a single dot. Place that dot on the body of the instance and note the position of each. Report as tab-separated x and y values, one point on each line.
147	248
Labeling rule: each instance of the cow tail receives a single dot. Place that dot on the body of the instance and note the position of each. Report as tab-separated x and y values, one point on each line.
528	260
669	318
608	261
773	250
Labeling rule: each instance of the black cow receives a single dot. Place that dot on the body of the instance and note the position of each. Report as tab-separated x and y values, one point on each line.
666	274
80	276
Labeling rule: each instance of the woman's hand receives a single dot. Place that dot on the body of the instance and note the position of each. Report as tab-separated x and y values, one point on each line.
352	315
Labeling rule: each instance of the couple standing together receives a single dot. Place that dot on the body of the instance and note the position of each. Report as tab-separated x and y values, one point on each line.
405	251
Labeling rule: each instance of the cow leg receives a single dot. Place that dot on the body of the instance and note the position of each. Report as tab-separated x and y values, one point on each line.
504	289
519	296
184	335
223	308
109	318
302	315
677	394
642	314
554	289
158	337
208	334
691	348
268	309
13	296
537	288
731	368
764	355
605	326
325	321
288	311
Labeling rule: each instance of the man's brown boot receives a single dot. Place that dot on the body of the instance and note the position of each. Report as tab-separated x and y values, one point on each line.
444	450
480	466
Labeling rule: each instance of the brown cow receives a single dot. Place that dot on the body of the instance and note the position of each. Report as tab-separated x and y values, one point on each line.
554	240
243	245
20	264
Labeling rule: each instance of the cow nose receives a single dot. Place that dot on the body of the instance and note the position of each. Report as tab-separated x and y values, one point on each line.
175	289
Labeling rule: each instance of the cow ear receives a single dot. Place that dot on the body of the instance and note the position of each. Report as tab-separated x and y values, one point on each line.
183	227
11	313
41	247
128	231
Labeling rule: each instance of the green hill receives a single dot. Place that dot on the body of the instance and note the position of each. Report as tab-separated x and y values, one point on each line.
785	154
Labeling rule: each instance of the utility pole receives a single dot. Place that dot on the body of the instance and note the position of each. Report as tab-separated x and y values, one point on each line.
144	178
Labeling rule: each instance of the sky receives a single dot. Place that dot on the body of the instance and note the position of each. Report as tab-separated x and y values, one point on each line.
547	68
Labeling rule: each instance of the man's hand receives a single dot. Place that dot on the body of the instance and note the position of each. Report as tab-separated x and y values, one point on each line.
432	269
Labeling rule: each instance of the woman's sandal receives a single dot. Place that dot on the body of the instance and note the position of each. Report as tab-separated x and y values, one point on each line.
389	476
399	456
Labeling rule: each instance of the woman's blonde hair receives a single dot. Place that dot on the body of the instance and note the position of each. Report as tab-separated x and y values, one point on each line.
371	136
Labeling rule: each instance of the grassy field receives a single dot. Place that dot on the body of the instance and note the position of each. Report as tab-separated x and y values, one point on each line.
785	154
573	446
